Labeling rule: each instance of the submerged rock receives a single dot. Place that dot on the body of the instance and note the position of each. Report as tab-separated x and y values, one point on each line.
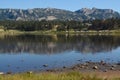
45	65
8	65
102	62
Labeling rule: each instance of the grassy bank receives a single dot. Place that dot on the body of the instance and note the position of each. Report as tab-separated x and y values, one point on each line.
11	32
53	76
90	32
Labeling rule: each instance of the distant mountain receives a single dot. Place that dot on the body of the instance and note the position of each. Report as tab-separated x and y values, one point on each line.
95	13
56	14
38	14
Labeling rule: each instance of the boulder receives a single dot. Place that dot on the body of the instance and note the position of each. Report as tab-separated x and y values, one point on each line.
95	67
1	73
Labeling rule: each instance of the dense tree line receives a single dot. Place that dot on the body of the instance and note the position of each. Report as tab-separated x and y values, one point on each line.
109	24
40	25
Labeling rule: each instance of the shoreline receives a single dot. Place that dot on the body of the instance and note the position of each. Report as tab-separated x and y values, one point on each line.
89	67
89	32
99	70
80	67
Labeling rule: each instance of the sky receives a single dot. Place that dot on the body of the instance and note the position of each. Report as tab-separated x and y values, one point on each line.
61	4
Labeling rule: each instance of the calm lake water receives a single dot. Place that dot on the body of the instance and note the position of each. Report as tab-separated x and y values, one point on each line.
30	52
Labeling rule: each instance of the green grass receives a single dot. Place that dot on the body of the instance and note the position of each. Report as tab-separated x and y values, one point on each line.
50	32
11	32
51	76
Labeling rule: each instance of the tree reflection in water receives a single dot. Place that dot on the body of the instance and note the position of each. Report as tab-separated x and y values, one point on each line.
52	44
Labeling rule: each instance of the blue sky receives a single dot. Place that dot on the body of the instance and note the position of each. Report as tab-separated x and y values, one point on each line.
61	4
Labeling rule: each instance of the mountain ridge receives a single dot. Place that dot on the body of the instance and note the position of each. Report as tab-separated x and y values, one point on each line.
57	14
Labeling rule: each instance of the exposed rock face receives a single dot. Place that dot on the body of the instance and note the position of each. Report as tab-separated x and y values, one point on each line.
56	14
95	13
38	14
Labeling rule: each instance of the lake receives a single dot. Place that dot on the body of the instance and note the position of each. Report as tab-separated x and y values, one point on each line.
30	52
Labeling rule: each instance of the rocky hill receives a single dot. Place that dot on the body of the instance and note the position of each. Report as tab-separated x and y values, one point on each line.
56	14
95	13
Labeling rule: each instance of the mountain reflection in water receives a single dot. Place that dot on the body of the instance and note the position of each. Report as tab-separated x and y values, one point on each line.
53	44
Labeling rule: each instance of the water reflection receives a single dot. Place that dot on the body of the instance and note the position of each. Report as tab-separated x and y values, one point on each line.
30	52
53	44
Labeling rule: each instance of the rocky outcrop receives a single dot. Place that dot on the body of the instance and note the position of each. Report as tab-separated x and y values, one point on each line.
56	14
95	13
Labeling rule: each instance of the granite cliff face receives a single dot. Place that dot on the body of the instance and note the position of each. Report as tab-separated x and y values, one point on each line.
95	13
56	14
38	14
